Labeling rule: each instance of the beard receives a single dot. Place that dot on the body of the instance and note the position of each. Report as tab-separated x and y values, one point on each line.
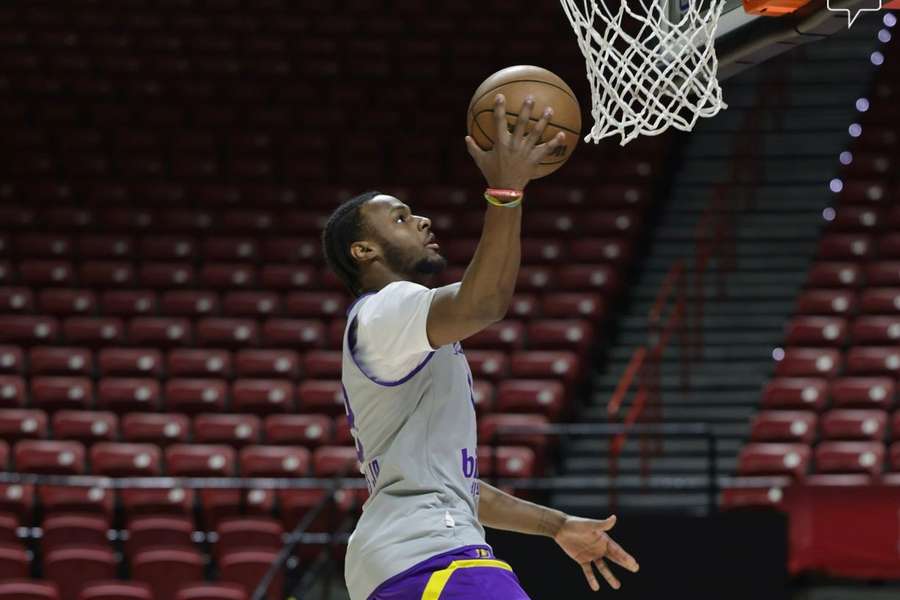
413	267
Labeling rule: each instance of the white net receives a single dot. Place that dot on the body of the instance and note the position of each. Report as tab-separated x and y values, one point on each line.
651	65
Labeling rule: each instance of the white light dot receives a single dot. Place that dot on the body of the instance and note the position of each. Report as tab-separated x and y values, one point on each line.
862	104
884	36
846	157
835	185
889	19
855	130
828	214
877	58
778	354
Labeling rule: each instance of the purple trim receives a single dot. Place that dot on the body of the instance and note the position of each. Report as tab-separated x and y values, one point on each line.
351	344
435	563
355	302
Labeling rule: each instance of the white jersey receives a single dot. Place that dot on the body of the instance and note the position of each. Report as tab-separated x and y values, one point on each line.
412	413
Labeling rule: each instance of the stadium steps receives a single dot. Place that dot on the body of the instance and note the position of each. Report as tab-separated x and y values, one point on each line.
775	241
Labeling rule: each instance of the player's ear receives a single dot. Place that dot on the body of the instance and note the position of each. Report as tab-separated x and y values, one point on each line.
363	252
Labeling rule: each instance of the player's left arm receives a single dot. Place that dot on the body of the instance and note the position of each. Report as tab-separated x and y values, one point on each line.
584	540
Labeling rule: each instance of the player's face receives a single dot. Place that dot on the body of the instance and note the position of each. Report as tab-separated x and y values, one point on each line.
407	244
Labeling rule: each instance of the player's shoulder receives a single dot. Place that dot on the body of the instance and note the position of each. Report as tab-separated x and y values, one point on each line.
396	294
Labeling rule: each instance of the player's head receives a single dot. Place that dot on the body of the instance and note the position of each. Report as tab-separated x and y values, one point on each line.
374	238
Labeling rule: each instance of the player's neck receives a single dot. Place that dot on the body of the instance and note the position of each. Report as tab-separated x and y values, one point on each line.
378	279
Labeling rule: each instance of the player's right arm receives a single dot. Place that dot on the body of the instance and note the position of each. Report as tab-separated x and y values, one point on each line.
484	294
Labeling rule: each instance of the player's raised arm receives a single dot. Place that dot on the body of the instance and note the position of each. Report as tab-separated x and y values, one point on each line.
483	296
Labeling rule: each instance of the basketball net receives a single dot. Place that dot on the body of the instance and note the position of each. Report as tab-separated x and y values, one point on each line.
650	68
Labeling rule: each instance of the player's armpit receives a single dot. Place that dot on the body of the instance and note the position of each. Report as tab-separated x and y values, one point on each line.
453	317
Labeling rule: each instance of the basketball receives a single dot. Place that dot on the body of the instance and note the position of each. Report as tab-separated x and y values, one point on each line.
516	83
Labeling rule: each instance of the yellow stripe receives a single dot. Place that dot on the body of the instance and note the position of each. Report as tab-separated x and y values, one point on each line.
439	579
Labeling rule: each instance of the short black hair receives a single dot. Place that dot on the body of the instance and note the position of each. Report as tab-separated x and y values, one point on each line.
345	226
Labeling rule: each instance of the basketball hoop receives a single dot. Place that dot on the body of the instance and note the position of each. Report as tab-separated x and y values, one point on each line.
651	63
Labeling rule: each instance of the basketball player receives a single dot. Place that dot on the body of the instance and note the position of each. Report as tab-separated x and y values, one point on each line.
409	400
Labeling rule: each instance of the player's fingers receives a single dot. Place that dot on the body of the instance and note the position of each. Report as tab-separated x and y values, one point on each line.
474	151
532	139
589	575
523	119
500	118
547	148
615	553
607	574
607	523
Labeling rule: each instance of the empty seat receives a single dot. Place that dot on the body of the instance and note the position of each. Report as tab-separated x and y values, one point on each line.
274	461
17	424
331	461
816	331
105	246
568	304
165	275
177	501
876	330
159	331
850	457
250	304
128	303
880	301
200	460
17	500
835	275
505	335
321	396
883	274
184	362
863	392
12	391
531	395
506	461
85	426
211	591
67	499
514	430
873	361
322	364
55	457
588	278
59	531
116	590
58	393
106	273
827	302
29	589
13	562
306	430
315	305
128	394
12	359
267	363
67	302
228	275
263	396
755	492
227	332
61	361
193	396
159	429
151	531
783	426
41	273
165	570
854	424
560	364
234	430
287	277
795	393
189	303
124	460
247	568
846	246
809	362
244	533
28	330
74	567
130	361
774	459
489	364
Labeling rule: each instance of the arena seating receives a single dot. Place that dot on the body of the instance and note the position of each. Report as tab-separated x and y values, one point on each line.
164	304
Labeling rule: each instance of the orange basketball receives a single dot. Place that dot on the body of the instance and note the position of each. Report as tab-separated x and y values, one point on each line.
516	83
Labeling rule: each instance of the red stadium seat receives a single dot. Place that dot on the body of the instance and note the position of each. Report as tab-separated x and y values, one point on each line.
174	501
774	459
200	460
566	305
130	361
28	330
809	362
835	275
854	424
267	363
756	492
863	392
848	246
165	275
230	248
85	426
883	274
288	277
145	532
321	396
64	530
274	461
189	303
322	364
12	391
816	331
128	303
876	330
857	219
127	394
880	301
246	533
17	500
17	299
93	331
530	279
49	273
106	246
332	461
306	430
227	332
889	246
228	275
56	457
194	396
234	430
514	429
116	590
293	333
13	562
263	396
126	460
159	331
506	461
251	304
107	273
61	361
73	567
27	589
505	335
489	364
291	249
17	424
247	568
211	591
850	457
873	361
531	395
183	362
160	429
315	305
827	302
72	499
562	334
585	278
12	359
167	569
784	426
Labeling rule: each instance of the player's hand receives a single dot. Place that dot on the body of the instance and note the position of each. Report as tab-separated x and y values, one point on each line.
514	159
587	543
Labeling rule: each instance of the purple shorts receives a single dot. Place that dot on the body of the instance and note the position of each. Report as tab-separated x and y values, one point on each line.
467	573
